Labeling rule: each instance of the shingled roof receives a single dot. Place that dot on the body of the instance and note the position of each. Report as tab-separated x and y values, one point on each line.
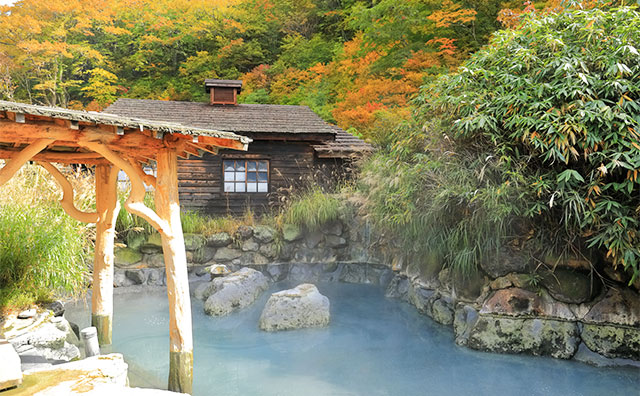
344	145
243	118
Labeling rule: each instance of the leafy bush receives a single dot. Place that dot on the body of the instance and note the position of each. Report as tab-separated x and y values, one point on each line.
42	250
536	136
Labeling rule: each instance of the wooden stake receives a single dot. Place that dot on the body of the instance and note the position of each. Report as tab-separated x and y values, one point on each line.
168	208
107	206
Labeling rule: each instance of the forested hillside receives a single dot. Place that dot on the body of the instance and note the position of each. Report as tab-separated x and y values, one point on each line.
356	63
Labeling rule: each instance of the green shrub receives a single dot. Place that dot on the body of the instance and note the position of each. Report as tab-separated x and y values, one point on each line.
535	137
42	253
312	209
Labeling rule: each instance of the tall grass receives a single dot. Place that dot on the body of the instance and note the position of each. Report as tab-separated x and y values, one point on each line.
312	209
42	250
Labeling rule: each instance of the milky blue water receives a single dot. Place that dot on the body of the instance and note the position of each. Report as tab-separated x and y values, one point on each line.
373	346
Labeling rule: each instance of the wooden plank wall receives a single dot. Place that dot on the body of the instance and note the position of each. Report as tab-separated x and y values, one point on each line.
201	185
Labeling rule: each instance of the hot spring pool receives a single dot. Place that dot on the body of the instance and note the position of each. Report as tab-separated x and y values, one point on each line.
373	346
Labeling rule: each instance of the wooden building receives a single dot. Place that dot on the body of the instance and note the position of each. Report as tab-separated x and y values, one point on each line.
291	146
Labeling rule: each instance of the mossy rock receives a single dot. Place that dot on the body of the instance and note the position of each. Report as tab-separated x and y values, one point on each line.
194	241
571	286
612	341
154	239
220	239
127	257
425	267
291	232
469	286
135	239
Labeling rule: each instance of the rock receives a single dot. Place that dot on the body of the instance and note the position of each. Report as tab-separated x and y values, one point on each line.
300	307
425	268
612	341
154	260
234	291
516	335
120	279
27	314
441	312
55	341
505	262
586	355
421	297
137	276
250	245
135	239
617	274
469	287
465	317
313	238
88	376
354	273
226	254
155	276
194	241
220	239
218	270
150	249
398	288
571	286
155	239
291	232
244	232
269	250
204	254
10	371
56	307
502	282
335	228
519	302
127	257
263	234
569	262
620	307
335	241
277	272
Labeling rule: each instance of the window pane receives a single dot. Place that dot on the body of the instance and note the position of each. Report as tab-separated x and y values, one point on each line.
262	166
240	166
240	187
252	187
240	176
228	165
262	176
252	176
262	187
228	187
228	176
251	166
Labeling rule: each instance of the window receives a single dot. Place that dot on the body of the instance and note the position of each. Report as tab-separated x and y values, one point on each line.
246	176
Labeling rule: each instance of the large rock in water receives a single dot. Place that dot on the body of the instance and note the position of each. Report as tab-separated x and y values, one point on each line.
300	307
232	292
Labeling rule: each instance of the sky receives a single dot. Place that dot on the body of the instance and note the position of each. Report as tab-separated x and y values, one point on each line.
7	2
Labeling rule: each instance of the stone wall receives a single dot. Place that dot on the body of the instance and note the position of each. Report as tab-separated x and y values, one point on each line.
507	306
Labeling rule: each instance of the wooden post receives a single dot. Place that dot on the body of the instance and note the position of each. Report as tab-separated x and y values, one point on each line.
107	206
175	259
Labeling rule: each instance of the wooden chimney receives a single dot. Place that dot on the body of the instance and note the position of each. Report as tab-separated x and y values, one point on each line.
223	92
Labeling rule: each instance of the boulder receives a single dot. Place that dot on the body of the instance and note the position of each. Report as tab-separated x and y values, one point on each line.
505	262
398	288
263	234
244	232
27	314
155	239
334	241
441	312
516	335
218	270
621	307
194	241
154	260
571	286
226	254
10	370
232	292
313	238
250	245
49	337
148	248
127	257
56	307
204	254
269	250
135	239
612	341
334	228
519	302
300	307
291	232
465	317
220	239
138	277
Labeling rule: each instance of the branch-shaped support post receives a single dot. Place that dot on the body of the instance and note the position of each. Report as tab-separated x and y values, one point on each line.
10	168
108	206
175	259
67	196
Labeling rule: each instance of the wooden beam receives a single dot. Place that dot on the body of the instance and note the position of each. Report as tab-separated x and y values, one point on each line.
15	163
67	196
54	156
221	142
108	206
180	327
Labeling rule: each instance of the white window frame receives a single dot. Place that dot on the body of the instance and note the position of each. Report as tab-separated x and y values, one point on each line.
249	176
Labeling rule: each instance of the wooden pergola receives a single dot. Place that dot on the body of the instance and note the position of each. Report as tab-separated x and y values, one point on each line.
110	143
